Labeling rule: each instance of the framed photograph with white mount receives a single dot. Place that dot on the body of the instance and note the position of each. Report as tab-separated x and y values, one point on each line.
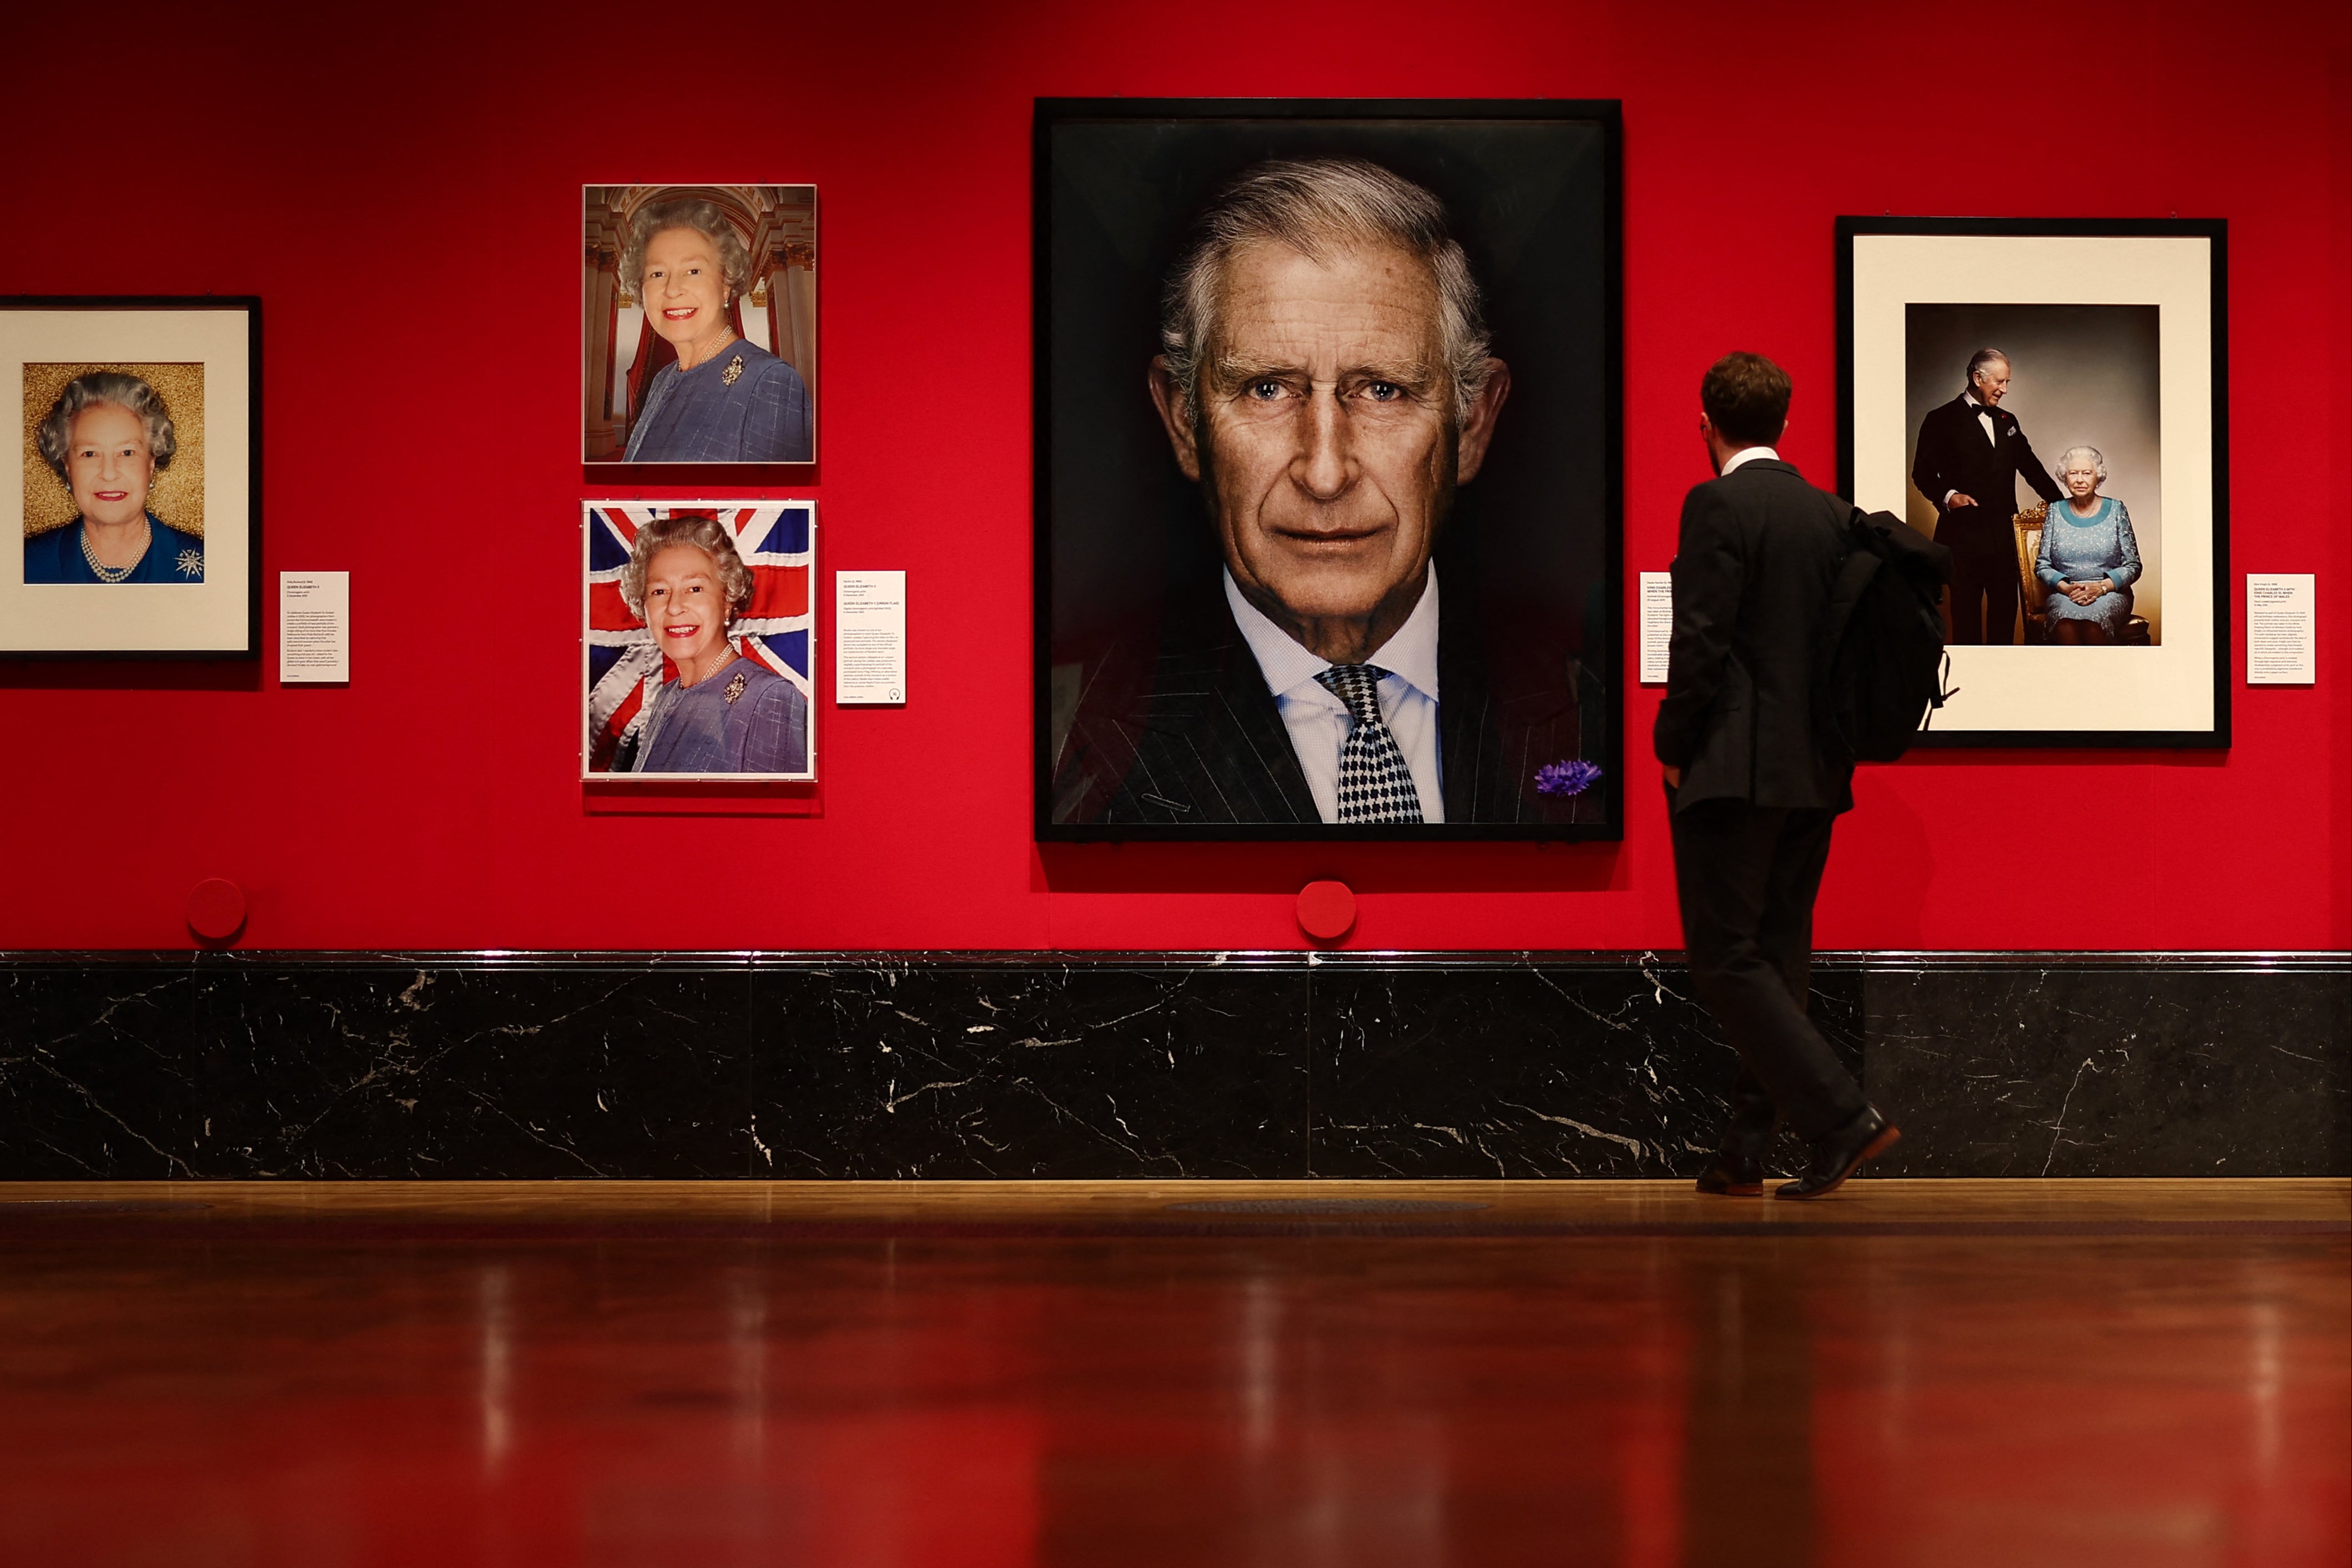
2049	398
136	478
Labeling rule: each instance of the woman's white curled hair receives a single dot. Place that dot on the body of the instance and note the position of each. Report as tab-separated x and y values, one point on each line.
704	533
2098	461
118	387
696	212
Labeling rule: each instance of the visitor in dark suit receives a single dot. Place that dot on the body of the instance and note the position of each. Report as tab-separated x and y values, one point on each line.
1324	381
1971	452
1750	793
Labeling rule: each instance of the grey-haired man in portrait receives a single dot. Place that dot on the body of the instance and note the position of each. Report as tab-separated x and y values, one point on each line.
1970	454
1324	381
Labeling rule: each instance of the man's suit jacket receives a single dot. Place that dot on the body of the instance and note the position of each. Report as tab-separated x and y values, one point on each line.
1758	555
1203	743
1953	454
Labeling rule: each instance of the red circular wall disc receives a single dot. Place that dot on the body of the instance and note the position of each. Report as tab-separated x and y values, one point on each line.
216	909
1326	910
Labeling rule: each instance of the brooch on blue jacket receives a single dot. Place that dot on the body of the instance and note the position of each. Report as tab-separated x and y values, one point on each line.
727	378
735	687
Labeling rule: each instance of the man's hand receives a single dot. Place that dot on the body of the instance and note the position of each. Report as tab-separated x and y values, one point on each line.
1674	777
1957	501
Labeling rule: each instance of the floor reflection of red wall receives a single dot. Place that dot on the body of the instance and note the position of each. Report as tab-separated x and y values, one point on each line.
2133	1429
923	1490
1932	1393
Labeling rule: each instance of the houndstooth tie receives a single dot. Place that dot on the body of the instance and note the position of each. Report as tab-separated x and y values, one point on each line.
1375	786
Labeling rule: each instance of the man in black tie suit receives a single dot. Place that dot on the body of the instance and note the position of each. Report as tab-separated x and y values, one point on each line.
1971	452
1750	795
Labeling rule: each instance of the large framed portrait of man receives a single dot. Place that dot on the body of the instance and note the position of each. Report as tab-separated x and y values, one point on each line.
2048	400
698	640
1328	470
136	488
699	329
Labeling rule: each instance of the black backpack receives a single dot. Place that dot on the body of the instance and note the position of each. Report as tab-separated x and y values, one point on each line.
1881	665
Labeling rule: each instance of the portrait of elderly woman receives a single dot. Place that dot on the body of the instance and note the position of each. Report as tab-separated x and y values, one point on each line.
1381	427
2089	558
716	711
701	324
106	438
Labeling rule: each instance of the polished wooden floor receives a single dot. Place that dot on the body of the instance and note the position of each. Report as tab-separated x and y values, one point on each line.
1921	1373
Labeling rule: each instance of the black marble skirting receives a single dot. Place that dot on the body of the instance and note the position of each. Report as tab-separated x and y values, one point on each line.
1134	1065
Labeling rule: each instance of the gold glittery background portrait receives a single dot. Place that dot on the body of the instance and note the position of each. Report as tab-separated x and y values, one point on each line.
178	494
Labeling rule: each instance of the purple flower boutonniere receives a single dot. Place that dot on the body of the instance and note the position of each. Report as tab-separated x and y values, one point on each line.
1566	778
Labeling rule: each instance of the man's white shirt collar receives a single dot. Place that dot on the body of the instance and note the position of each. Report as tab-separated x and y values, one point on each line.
1411	654
1751	454
1984	413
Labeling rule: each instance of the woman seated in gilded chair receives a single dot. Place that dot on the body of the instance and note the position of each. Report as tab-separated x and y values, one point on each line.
105	437
719	713
2088	560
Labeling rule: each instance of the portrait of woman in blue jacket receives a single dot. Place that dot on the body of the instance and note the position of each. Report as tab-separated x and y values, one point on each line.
715	711
105	437
725	400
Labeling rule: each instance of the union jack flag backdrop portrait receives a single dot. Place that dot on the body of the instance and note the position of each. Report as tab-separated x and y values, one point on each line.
777	539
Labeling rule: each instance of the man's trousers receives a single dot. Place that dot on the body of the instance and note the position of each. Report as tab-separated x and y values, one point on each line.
1747	877
1984	582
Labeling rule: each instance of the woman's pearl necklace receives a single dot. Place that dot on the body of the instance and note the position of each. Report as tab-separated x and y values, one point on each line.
727	336
117	573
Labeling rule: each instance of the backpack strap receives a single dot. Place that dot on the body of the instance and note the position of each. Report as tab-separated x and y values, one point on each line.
1861	564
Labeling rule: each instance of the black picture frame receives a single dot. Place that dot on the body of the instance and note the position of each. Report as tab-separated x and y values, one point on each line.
1859	454
1603	658
247	453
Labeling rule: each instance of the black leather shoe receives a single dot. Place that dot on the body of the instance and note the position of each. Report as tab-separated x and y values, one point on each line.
1738	1168
1837	1155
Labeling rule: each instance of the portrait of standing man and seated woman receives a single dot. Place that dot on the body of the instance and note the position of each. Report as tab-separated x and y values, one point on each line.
2044	553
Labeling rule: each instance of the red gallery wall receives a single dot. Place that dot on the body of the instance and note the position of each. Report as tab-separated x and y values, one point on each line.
401	189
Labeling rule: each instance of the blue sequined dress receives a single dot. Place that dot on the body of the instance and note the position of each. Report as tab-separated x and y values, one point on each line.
2076	549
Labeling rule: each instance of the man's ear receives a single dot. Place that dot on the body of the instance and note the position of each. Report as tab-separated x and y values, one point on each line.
1478	429
1176	414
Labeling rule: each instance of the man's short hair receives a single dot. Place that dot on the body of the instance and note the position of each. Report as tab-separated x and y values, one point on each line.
1311	205
1979	359
1746	397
